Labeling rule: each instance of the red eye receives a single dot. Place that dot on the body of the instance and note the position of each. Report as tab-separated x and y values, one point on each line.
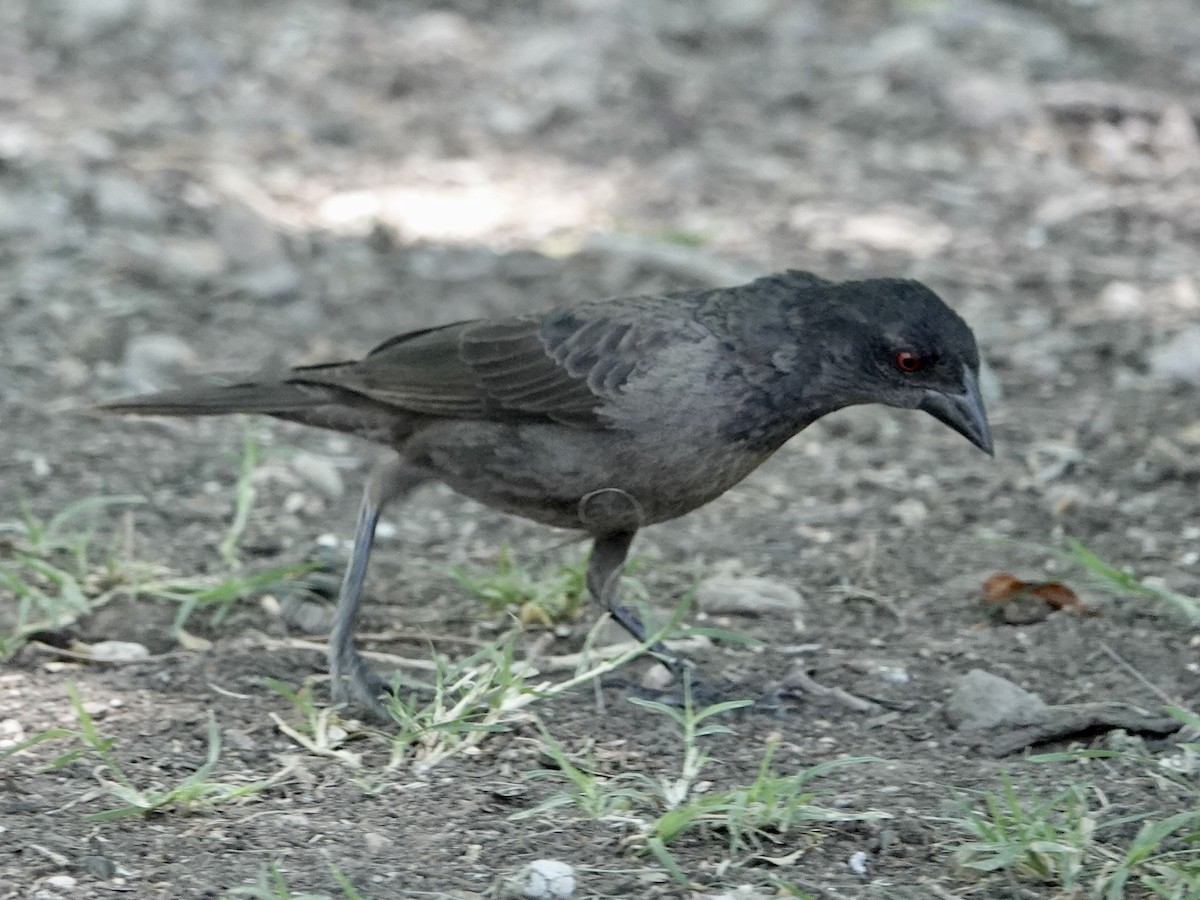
907	362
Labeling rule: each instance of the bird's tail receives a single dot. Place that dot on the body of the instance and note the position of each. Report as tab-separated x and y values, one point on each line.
268	398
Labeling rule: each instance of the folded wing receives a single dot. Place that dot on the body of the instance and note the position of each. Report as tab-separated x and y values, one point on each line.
560	367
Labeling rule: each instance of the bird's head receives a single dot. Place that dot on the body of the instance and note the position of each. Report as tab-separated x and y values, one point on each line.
897	343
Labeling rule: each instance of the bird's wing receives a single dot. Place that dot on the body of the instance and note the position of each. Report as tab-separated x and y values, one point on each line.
558	367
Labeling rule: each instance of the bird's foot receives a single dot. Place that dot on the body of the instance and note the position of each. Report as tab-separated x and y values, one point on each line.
358	686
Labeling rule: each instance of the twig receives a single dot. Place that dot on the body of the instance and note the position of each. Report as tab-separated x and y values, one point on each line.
800	679
424	665
51	650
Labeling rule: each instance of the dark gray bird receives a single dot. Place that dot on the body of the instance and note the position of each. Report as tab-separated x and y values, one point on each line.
612	415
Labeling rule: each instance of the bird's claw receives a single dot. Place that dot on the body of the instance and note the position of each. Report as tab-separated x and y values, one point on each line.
357	685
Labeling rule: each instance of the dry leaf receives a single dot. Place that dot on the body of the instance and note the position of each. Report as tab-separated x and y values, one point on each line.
1022	602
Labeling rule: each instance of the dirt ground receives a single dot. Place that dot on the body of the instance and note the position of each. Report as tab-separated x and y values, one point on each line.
191	188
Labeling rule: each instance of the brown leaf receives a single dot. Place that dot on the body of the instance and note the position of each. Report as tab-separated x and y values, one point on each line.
1001	586
1059	596
1014	597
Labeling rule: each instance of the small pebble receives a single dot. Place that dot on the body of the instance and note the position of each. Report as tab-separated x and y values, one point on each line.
377	844
747	596
858	864
118	651
542	879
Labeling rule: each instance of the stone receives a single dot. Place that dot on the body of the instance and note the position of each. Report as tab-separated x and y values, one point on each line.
747	595
118	651
983	700
378	844
542	879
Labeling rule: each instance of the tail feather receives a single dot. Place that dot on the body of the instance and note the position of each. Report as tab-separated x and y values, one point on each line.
266	398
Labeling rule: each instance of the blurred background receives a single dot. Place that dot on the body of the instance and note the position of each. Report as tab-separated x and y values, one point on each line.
199	185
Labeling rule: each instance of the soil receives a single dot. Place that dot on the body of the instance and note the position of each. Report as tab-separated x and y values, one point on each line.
205	188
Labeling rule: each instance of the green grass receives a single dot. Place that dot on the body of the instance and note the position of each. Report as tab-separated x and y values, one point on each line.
270	885
743	818
49	568
194	793
320	730
1044	841
1060	842
1067	840
1064	840
1124	583
543	598
61	569
467	699
244	493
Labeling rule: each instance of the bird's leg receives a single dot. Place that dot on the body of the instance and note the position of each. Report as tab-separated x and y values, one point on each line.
353	681
603	581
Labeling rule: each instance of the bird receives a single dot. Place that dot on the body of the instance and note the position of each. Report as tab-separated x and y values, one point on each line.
606	416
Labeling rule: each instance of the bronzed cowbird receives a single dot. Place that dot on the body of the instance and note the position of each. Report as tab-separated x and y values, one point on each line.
611	415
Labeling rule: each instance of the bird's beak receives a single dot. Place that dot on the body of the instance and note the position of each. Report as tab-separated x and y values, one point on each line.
963	412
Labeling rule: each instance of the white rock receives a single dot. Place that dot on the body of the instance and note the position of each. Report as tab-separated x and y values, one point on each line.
893	674
377	844
542	879
747	595
1122	299
61	882
858	863
118	651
